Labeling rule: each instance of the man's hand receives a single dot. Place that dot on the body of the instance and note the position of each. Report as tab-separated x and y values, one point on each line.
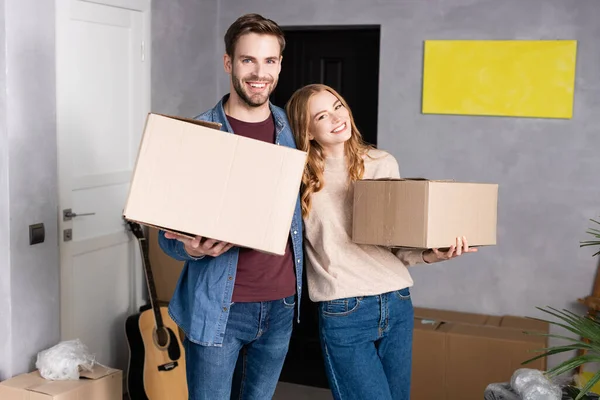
197	248
436	255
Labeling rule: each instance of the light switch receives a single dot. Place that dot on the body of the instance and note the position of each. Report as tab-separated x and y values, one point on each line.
36	234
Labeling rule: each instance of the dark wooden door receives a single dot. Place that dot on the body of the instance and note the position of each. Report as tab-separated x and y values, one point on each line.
347	59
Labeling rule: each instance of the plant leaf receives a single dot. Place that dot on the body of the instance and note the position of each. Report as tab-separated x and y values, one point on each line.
571	364
557	350
588	386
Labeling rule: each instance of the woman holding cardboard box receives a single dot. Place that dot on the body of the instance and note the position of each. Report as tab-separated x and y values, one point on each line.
365	309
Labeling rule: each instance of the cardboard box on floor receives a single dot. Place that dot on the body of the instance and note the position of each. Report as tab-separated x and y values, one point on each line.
456	355
424	214
100	384
192	178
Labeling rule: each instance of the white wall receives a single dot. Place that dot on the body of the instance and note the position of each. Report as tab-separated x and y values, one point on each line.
30	281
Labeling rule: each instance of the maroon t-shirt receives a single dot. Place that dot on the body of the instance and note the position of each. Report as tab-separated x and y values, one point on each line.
260	276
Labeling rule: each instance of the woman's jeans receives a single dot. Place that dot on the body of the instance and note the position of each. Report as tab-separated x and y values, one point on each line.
367	345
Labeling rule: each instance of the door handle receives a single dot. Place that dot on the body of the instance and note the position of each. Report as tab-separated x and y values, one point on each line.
68	214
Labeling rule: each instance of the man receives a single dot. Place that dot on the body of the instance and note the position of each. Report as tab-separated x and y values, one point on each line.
236	305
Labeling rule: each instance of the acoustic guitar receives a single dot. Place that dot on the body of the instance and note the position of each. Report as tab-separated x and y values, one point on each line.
156	355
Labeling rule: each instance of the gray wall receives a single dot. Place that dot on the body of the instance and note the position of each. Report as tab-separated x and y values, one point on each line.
547	169
5	298
185	56
27	125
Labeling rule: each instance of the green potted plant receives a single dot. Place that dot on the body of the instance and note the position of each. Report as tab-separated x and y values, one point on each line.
587	332
586	341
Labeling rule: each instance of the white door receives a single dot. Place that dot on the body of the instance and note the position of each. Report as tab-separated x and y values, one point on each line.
103	79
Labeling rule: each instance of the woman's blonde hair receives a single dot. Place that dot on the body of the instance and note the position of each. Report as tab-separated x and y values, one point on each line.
355	148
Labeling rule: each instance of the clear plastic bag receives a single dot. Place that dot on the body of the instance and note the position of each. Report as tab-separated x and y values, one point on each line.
523	377
64	361
500	391
525	384
532	384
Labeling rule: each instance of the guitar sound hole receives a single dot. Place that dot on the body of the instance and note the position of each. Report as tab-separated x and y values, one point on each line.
161	337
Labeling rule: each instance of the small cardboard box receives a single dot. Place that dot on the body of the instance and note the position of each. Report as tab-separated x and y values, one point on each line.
424	214
456	355
192	178
100	384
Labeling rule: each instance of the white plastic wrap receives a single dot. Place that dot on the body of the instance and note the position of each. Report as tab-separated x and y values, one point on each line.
531	384
541	391
64	361
521	378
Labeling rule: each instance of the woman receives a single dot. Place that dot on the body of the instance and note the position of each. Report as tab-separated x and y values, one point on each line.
365	310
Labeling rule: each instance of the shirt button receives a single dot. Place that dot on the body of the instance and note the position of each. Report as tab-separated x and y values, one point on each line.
225	309
230	278
298	261
295	232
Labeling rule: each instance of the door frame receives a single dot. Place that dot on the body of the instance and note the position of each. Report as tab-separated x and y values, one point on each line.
137	297
295	55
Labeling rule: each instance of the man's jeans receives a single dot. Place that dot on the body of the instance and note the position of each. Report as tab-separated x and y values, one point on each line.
367	345
255	345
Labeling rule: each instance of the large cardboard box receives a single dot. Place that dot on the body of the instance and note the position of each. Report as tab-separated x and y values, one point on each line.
100	384
424	214
194	179
456	355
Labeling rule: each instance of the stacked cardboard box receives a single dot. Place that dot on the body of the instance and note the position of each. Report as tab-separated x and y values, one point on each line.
456	355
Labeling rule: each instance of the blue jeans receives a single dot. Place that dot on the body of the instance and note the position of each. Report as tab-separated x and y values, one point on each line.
249	363
367	345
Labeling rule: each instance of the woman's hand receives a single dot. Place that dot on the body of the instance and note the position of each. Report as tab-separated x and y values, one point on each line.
461	247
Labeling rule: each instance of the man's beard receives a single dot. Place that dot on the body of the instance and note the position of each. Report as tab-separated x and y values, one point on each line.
252	100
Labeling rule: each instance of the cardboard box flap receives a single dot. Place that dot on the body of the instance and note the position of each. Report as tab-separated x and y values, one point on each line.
526	324
97	372
101	383
450	316
408	179
425	324
494	320
24	381
34	382
55	388
208	124
491	332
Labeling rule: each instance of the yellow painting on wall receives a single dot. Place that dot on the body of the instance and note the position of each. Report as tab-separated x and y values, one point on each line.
519	78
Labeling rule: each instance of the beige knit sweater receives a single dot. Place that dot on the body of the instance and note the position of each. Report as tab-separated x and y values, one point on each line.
337	267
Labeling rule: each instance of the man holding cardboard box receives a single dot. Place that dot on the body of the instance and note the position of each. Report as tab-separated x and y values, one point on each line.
236	305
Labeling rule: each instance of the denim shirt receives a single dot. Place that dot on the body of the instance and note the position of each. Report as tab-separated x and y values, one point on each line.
201	301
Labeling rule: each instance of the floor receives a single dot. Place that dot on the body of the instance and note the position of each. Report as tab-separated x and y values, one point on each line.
291	391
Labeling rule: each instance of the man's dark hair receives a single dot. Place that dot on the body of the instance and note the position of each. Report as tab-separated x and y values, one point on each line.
252	23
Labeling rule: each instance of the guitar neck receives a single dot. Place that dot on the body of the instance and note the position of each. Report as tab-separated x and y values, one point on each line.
143	243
